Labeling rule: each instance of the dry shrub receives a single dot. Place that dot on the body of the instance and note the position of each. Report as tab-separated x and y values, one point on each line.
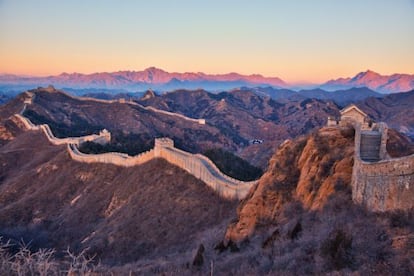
42	262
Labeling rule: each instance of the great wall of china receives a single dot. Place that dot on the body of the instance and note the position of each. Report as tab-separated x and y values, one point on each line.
51	89
379	182
195	164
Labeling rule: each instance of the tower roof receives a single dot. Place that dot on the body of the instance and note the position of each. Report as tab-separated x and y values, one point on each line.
353	107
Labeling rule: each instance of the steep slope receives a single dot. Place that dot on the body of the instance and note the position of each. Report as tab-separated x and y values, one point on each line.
306	170
301	220
384	84
120	215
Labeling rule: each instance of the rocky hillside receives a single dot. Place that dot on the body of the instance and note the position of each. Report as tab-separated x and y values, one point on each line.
306	170
158	219
300	219
121	215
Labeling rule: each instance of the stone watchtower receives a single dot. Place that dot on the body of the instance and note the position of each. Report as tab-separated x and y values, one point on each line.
161	143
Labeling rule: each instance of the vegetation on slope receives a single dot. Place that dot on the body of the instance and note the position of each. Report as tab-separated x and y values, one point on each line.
78	127
233	165
131	144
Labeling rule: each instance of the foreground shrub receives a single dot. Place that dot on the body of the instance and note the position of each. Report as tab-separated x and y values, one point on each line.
42	262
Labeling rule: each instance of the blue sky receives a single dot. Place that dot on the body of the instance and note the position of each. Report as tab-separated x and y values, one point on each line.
298	41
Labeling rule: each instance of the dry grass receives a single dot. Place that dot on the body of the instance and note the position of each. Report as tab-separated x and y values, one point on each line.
42	262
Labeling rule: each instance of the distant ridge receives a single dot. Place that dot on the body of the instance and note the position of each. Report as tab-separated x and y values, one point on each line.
380	83
151	77
163	81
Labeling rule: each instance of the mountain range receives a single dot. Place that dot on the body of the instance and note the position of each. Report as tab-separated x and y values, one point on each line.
156	218
160	80
380	83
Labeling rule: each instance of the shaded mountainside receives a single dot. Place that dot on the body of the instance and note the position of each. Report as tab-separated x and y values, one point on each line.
68	116
341	97
245	116
120	214
233	119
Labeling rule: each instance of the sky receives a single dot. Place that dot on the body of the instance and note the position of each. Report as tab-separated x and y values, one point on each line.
300	41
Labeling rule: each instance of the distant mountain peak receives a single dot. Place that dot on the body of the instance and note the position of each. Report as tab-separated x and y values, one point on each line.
367	75
150	77
374	81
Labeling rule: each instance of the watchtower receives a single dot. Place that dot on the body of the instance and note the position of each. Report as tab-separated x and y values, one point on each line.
161	143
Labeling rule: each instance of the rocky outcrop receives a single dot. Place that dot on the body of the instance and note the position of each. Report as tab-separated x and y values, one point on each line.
306	170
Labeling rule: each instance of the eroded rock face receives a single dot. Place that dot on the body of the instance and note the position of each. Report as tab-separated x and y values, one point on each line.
307	169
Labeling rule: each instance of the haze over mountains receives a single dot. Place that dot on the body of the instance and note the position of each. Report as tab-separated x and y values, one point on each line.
162	81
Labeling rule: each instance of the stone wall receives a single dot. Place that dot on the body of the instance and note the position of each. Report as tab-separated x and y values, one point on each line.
204	169
196	164
115	158
102	138
385	185
123	101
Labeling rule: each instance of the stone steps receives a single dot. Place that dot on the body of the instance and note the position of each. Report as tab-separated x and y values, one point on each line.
370	146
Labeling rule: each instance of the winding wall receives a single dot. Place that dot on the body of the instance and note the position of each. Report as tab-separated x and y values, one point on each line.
102	138
196	164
